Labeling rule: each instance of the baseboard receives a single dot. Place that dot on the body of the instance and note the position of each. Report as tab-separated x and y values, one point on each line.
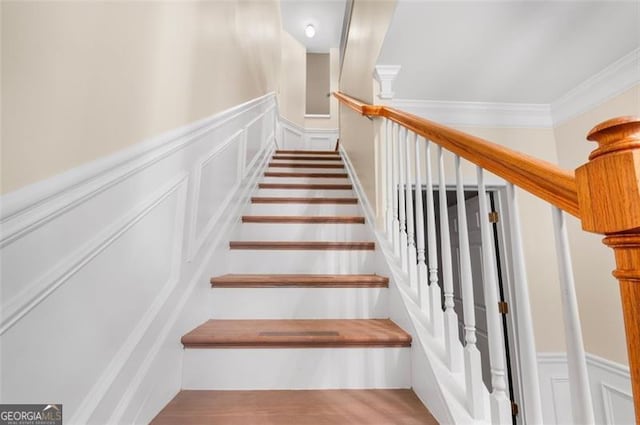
610	390
102	265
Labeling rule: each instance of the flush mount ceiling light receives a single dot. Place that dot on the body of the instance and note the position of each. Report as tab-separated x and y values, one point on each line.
310	31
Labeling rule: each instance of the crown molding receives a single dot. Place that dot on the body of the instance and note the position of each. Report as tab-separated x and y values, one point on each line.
609	82
597	89
482	114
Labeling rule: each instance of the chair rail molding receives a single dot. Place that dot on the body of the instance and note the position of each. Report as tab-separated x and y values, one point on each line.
138	229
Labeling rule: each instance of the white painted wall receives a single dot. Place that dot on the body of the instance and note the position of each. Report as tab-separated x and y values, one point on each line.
106	266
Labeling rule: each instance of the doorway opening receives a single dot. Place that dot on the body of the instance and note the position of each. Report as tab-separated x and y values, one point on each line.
499	226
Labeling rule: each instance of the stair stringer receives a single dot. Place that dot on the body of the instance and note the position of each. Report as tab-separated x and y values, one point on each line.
441	391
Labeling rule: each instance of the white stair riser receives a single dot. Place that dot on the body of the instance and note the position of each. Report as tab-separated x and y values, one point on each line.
304	209
303	232
299	261
296	368
309	169
299	303
306	193
306	180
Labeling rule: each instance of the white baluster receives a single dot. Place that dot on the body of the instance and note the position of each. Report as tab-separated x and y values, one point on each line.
388	129
451	335
412	263
472	364
499	400
435	300
581	403
402	204
423	286
395	189
524	333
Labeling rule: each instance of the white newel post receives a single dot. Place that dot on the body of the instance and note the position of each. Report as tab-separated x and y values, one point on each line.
581	403
412	263
451	335
402	204
386	75
472	364
423	287
395	159
388	190
435	297
499	400
532	405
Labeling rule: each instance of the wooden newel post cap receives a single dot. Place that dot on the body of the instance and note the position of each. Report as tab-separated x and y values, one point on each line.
609	184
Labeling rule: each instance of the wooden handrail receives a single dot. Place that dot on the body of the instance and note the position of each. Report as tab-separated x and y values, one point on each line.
541	178
604	194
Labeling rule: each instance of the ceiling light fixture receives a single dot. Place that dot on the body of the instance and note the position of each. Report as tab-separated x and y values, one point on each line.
310	31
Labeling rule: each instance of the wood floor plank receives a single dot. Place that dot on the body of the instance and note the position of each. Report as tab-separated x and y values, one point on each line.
319	333
307	157
301	200
303	245
302	165
289	407
300	281
306	152
303	174
312	186
308	219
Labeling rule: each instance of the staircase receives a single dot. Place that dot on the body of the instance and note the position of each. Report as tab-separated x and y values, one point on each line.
299	330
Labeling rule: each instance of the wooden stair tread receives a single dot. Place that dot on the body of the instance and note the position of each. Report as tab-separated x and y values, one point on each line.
300	281
301	200
319	333
302	174
291	407
306	152
310	219
305	246
303	165
305	186
307	158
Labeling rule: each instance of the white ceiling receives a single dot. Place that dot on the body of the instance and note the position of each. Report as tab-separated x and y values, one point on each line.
325	15
505	51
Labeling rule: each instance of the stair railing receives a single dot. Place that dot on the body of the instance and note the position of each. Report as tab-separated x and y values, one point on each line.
604	194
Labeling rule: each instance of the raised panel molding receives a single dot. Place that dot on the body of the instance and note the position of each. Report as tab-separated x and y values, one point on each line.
293	136
101	206
610	384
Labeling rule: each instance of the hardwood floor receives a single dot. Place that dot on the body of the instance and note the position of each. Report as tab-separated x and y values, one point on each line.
344	407
300	281
318	219
297	333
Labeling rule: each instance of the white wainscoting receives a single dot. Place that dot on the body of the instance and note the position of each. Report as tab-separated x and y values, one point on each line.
106	266
610	388
295	137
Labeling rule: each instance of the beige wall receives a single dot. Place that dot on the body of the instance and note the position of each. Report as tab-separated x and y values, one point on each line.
318	67
597	290
85	79
537	233
369	23
291	91
334	77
